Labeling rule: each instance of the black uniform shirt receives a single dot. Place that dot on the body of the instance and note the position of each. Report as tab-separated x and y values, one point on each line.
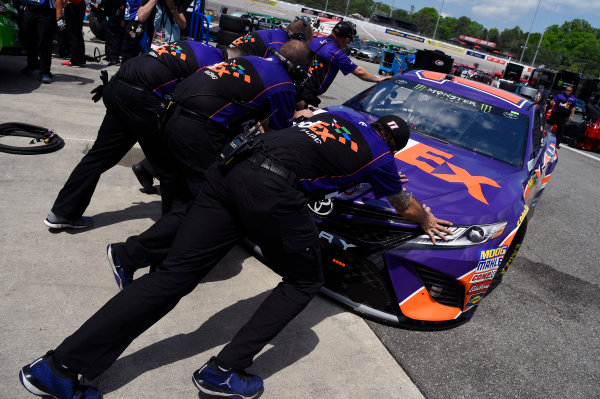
258	42
162	69
335	150
239	91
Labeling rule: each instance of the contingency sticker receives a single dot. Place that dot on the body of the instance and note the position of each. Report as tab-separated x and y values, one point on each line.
474	300
490	259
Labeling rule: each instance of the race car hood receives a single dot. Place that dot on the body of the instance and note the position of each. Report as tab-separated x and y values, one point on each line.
449	179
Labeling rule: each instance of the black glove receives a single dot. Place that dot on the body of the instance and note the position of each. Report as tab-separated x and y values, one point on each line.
97	92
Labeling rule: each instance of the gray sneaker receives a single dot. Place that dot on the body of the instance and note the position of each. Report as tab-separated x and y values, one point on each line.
56	222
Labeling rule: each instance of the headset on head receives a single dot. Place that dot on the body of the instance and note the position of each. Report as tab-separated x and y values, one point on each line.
298	35
298	73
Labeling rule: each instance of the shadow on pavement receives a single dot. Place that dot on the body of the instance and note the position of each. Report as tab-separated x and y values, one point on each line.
293	343
139	210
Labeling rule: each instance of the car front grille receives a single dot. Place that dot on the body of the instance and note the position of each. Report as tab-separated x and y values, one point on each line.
442	288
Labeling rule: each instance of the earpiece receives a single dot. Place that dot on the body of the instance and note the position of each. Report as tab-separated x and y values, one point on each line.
298	73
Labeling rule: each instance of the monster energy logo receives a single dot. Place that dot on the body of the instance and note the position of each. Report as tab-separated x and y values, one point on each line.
486	108
419	87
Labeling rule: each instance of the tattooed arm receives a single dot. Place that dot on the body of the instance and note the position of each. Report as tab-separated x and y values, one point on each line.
410	208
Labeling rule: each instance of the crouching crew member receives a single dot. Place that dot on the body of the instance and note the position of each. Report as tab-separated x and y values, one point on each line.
133	105
261	195
210	108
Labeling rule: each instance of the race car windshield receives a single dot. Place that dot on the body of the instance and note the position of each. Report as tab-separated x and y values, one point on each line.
488	130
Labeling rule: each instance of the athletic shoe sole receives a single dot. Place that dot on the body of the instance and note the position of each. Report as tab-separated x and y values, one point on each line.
65	225
113	266
31	383
216	392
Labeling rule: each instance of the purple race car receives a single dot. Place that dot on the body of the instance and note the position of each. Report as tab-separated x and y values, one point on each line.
479	157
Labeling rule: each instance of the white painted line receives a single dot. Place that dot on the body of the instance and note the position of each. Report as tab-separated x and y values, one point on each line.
367	32
580	152
76	139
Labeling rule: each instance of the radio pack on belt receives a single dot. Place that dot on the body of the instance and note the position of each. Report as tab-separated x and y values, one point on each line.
241	144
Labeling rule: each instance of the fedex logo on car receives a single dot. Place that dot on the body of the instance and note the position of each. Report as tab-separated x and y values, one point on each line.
491	258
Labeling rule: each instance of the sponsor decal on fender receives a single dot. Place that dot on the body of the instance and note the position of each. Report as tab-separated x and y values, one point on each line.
491	258
523	214
479	287
474	300
480	277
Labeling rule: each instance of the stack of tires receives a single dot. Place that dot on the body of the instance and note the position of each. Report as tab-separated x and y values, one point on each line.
230	28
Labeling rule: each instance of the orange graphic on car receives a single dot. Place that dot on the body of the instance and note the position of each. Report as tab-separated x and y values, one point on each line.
417	154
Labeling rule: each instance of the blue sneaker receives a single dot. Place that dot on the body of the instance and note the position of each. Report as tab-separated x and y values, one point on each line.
43	378
235	384
123	279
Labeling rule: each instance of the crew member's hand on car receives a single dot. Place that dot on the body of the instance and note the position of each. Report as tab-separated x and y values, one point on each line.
434	226
403	178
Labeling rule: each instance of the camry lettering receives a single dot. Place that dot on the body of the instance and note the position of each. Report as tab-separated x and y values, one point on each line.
333	239
419	153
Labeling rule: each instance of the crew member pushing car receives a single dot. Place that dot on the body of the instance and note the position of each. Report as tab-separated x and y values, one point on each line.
331	58
133	103
210	108
261	195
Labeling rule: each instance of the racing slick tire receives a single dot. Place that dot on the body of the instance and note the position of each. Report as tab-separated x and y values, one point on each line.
96	26
234	24
225	37
509	257
508	86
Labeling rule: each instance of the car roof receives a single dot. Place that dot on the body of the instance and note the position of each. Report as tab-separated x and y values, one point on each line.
472	89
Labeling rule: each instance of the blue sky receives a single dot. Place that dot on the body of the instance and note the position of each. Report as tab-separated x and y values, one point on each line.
506	14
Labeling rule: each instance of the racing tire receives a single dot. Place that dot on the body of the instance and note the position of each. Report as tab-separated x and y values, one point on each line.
509	257
225	37
52	142
508	86
234	24
97	27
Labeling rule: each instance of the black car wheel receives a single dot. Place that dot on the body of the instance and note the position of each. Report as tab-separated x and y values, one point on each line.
97	27
234	24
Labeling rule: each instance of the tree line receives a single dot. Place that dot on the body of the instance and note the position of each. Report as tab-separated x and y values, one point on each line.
573	46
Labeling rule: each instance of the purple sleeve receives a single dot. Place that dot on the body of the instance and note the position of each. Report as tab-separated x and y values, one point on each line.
344	63
284	105
385	180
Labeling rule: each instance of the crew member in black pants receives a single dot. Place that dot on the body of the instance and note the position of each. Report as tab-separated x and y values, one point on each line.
261	195
213	106
74	13
133	102
40	20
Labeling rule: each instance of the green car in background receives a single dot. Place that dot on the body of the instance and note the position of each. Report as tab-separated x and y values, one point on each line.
9	30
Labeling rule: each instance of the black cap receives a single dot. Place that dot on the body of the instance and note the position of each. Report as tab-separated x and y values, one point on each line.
344	29
396	127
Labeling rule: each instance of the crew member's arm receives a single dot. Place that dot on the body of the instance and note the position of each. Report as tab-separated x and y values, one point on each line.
367	76
145	10
179	16
59	9
572	111
410	208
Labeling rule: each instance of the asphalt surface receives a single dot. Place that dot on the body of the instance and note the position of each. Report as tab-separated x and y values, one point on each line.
536	336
